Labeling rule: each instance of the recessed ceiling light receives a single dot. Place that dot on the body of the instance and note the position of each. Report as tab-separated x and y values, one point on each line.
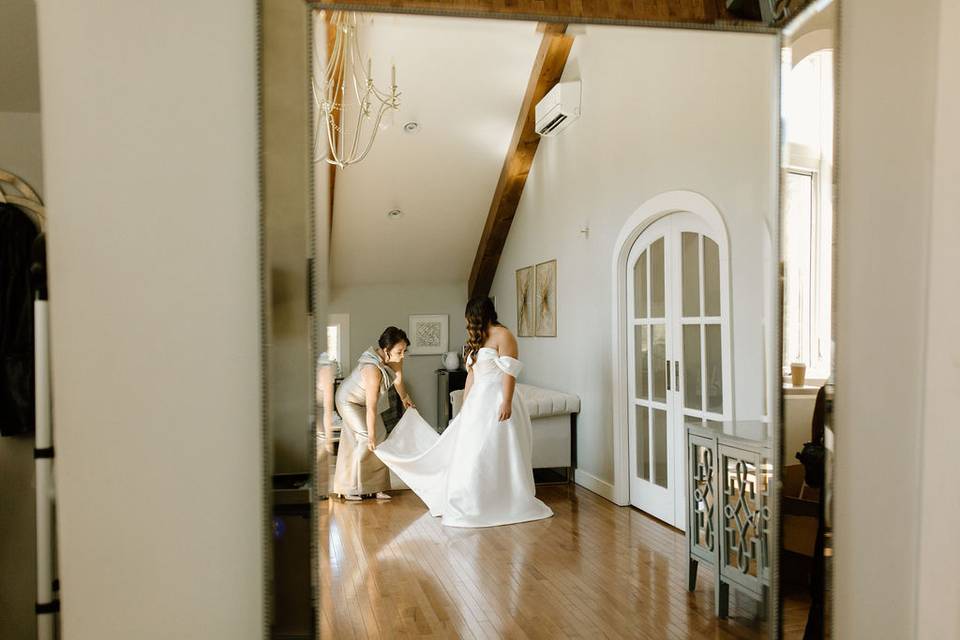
393	214
411	127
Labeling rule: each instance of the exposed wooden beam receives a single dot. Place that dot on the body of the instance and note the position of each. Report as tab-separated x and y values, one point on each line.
331	39
692	11
547	69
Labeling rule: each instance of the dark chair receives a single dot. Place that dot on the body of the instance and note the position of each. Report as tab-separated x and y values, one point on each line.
813	458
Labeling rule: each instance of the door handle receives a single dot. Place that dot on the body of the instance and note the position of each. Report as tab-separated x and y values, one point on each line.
668	375
676	373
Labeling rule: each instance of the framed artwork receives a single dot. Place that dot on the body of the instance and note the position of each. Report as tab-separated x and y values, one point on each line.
525	302
546	299
429	334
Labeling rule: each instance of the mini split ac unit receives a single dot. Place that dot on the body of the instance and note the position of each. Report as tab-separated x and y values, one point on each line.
558	109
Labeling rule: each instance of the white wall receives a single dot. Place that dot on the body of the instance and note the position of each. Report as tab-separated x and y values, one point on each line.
888	84
938	592
372	308
662	110
20	147
150	158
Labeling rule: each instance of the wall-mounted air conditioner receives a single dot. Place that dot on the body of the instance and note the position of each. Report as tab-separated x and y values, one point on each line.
558	108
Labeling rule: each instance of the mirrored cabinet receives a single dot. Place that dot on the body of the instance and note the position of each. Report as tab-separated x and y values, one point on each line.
729	507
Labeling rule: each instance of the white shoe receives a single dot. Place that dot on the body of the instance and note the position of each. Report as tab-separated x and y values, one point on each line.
352	498
383	495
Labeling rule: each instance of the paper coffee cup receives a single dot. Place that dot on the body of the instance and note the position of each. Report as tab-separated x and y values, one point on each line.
798	373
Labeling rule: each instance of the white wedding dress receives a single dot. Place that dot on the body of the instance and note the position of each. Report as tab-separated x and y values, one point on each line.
478	472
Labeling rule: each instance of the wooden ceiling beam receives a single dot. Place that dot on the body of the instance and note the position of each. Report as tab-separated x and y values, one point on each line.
331	40
547	69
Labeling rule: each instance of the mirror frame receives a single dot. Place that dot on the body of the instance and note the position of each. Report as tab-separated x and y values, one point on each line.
713	18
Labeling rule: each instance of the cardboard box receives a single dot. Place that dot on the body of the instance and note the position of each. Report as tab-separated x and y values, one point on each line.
801	509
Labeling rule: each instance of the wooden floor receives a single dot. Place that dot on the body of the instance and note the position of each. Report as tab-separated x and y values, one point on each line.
594	570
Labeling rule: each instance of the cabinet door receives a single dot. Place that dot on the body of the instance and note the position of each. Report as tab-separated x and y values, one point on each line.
745	518
702	501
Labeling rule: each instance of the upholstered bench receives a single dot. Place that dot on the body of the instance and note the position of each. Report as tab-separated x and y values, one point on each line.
553	417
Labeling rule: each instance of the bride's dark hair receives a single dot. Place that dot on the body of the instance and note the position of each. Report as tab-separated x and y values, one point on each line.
480	316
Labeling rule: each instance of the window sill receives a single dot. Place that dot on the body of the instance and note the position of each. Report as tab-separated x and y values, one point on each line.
809	389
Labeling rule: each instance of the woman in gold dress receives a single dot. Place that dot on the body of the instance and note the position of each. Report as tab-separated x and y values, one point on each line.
360	400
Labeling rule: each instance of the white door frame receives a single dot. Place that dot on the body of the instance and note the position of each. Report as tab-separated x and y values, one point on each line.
648	213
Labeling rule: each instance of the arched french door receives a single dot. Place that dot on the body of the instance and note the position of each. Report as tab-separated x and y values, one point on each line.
678	360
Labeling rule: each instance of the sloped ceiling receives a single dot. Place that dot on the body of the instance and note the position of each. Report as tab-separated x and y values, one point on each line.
463	81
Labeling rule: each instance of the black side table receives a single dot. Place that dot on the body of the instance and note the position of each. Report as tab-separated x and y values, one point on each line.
447	382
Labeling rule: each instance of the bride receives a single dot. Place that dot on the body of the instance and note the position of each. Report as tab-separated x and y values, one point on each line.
477	473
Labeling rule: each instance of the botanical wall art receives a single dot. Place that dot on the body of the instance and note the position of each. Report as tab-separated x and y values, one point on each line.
525	302
537	300
546	299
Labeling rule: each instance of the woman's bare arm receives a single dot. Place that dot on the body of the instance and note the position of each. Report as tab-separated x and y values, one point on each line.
468	383
506	346
402	389
371	383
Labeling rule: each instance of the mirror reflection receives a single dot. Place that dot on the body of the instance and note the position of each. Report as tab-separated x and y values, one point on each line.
547	325
807	258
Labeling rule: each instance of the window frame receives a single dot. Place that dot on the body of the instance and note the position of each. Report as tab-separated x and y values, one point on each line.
815	161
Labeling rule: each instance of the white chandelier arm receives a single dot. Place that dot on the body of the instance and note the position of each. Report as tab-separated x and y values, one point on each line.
330	96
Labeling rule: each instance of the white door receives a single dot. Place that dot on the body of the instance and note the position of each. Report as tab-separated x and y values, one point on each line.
678	355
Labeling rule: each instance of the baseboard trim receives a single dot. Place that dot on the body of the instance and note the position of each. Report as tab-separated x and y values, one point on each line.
592	483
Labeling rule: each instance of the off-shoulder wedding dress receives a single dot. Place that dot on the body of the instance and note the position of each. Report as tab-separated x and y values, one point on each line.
478	472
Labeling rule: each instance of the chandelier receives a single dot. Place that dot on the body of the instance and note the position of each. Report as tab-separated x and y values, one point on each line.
346	91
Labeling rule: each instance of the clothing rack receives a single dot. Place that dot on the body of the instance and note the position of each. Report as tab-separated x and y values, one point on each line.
15	191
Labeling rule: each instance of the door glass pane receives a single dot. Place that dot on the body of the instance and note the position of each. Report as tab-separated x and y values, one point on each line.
714	363
643	443
692	383
640	287
690	255
657	304
660	470
642	348
659	365
711	277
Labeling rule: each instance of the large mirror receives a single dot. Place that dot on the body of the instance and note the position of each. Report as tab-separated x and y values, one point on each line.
547	315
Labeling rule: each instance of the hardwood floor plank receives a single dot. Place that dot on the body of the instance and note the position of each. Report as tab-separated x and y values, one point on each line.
594	570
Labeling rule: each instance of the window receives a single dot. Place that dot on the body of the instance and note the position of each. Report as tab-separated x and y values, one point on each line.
808	215
338	339
333	342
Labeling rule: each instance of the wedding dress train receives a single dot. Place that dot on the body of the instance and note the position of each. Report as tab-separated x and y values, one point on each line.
478	472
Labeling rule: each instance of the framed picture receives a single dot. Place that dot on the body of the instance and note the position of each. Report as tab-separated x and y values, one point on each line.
546	299
429	335
525	302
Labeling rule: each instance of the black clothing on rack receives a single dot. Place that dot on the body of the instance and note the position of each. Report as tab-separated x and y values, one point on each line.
17	234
